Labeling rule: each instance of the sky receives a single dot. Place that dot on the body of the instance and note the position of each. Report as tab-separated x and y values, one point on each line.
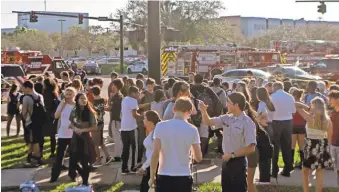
284	9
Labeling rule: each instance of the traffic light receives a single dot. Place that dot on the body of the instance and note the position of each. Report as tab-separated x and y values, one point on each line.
322	8
81	18
33	17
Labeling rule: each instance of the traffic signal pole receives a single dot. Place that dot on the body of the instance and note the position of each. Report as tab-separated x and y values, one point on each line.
120	20
153	40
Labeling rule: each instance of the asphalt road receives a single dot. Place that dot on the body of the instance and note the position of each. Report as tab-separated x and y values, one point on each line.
13	124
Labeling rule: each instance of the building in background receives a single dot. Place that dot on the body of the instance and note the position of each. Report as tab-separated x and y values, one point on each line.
251	26
52	24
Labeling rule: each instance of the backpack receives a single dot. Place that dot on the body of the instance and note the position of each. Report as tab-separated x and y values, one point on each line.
209	98
197	118
39	114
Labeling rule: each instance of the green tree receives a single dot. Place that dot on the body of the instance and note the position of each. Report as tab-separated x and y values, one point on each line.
107	42
181	15
216	31
287	33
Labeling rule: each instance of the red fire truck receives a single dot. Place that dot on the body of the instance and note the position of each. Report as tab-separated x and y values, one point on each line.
43	63
14	56
305	52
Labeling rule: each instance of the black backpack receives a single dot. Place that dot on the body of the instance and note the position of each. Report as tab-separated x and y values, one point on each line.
211	99
39	114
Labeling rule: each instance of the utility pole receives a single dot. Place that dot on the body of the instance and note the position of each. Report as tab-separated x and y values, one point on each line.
153	40
45	5
61	51
121	44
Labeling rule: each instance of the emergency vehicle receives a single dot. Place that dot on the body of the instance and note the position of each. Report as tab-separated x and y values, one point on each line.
182	59
14	56
327	68
305	52
43	63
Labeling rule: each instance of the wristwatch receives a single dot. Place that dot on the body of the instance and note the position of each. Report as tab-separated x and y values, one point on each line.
232	155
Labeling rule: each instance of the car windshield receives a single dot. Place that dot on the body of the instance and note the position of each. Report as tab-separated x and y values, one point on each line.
12	71
295	70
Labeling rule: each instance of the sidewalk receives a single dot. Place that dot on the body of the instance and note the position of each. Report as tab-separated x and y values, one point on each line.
211	173
110	174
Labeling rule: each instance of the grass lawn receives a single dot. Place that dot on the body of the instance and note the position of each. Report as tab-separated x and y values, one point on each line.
207	187
14	151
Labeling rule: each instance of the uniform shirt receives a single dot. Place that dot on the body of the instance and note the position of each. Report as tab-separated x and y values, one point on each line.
238	132
284	105
176	136
128	122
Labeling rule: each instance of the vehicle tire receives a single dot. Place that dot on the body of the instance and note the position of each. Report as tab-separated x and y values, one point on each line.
144	71
129	71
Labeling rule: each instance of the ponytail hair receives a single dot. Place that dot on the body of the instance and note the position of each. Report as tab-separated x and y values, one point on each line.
251	113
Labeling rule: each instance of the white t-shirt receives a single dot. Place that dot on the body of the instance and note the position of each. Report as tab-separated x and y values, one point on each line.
158	107
63	131
177	137
262	108
128	122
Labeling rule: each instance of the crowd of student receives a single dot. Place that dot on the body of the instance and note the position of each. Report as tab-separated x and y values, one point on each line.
166	128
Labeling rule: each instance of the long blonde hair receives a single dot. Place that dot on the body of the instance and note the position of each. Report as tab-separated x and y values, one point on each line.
321	119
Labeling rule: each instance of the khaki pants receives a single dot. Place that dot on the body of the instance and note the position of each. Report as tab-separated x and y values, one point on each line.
115	127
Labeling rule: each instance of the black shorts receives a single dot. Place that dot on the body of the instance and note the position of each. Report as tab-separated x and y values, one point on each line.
299	129
33	134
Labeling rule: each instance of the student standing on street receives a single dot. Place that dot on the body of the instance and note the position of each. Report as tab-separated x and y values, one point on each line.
13	109
239	141
99	105
64	134
129	114
115	112
316	150
334	132
151	119
114	76
33	128
83	120
284	105
173	155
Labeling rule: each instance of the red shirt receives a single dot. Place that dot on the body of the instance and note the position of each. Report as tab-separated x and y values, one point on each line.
298	120
335	123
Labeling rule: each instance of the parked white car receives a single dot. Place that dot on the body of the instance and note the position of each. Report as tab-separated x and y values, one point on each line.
109	61
138	67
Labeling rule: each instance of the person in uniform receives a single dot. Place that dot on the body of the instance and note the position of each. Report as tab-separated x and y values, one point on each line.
239	141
